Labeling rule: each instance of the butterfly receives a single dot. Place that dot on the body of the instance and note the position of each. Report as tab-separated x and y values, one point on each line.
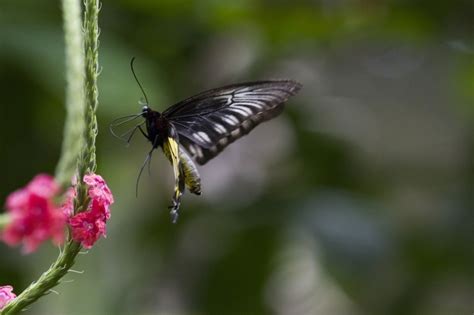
198	128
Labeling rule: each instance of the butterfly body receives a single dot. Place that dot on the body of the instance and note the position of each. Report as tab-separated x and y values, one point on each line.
200	127
161	133
157	127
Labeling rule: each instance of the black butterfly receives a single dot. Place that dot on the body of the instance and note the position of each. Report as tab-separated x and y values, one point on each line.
200	127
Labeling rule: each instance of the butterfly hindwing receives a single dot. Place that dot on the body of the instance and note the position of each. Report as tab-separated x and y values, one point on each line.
210	121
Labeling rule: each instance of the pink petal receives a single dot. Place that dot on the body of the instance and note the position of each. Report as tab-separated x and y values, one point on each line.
17	199
34	216
98	189
43	185
87	227
68	206
6	295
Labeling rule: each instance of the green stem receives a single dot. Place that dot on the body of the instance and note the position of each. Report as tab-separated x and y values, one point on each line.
46	281
91	41
87	161
4	219
75	105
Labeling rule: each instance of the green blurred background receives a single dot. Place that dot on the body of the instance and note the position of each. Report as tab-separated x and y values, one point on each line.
359	199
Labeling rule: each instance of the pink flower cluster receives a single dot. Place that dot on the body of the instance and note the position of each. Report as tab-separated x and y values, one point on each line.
34	217
6	295
88	226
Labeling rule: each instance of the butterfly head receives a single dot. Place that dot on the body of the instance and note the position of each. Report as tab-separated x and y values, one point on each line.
149	113
145	110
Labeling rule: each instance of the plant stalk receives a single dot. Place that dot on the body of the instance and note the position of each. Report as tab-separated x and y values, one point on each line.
88	128
75	104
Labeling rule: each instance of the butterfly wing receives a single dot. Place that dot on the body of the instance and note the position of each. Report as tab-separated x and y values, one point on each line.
210	121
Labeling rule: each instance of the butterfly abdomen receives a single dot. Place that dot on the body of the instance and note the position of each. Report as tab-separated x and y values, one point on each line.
188	172
191	174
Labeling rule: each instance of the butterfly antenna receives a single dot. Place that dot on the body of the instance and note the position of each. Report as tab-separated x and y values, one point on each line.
136	79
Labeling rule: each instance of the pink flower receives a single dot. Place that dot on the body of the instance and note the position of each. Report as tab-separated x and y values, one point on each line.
98	189
34	216
68	206
88	226
43	185
6	295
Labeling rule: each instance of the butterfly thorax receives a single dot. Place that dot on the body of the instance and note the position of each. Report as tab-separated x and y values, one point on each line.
157	126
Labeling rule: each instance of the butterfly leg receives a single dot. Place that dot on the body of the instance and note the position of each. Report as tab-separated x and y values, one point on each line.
143	132
133	132
176	200
147	160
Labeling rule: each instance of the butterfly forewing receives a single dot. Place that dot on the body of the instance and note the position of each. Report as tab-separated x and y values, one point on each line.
208	122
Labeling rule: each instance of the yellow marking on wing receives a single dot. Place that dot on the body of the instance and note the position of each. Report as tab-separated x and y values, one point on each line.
171	150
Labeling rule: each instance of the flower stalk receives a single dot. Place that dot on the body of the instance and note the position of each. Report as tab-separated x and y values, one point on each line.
87	161
4	219
81	119
75	104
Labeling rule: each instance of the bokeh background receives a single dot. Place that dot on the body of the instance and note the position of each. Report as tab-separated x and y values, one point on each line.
359	199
